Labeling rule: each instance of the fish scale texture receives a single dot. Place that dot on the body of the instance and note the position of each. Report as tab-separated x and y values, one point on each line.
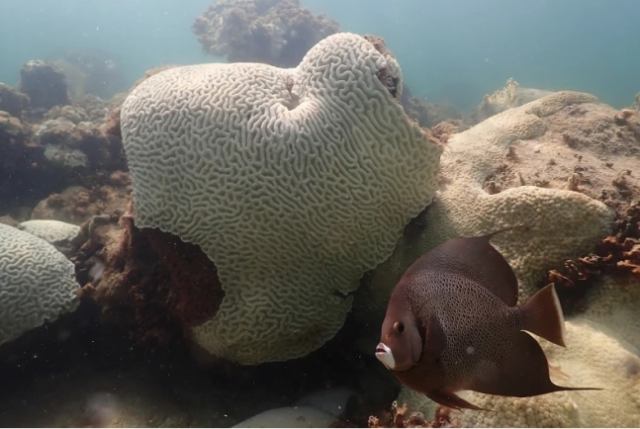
37	283
294	182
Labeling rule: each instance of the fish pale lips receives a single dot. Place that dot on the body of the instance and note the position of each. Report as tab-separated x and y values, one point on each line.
452	324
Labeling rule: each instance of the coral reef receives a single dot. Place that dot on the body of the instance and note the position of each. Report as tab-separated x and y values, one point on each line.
44	83
70	147
517	167
268	185
275	32
78	204
37	283
512	95
12	101
616	256
427	114
90	71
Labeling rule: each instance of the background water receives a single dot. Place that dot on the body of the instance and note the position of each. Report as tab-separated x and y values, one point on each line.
450	50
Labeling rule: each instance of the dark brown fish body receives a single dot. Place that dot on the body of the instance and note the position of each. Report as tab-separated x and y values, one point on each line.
452	324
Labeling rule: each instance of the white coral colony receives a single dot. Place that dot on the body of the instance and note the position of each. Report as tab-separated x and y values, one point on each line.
37	283
294	182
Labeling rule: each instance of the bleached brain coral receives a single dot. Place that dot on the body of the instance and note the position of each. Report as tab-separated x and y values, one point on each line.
294	182
37	283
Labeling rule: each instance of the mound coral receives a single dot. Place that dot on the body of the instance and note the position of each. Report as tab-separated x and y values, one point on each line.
294	182
278	33
517	168
37	283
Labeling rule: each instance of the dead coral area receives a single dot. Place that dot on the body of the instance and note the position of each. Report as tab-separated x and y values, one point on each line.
400	417
147	282
590	148
617	256
276	32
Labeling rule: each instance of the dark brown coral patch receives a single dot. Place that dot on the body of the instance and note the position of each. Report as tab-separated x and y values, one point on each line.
154	285
617	255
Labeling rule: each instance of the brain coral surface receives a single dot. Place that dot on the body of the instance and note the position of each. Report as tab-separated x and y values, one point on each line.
37	283
294	182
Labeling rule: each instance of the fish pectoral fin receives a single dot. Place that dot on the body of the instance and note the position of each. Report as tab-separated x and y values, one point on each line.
451	400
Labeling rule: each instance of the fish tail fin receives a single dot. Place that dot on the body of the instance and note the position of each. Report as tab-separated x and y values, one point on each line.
542	315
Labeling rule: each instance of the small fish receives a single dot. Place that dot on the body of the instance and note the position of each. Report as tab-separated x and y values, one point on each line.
452	324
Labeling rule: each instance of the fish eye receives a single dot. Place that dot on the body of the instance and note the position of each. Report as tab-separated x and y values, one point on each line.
398	327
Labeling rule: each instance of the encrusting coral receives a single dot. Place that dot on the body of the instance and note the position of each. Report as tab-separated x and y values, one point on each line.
294	182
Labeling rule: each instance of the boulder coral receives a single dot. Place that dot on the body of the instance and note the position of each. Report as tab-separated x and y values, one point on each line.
37	283
294	182
549	165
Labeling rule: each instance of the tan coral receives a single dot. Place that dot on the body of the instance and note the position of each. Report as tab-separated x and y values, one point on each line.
293	181
487	173
616	306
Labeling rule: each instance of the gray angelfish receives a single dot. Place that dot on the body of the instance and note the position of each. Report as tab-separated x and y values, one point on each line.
452	324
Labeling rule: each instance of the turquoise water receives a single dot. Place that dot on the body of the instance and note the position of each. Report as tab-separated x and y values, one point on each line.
450	50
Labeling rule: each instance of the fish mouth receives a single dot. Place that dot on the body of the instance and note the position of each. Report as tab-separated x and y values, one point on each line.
385	355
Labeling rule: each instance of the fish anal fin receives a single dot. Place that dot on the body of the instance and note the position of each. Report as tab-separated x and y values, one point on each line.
522	371
451	400
542	315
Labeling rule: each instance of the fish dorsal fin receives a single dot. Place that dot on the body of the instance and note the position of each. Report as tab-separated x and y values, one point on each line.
476	259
